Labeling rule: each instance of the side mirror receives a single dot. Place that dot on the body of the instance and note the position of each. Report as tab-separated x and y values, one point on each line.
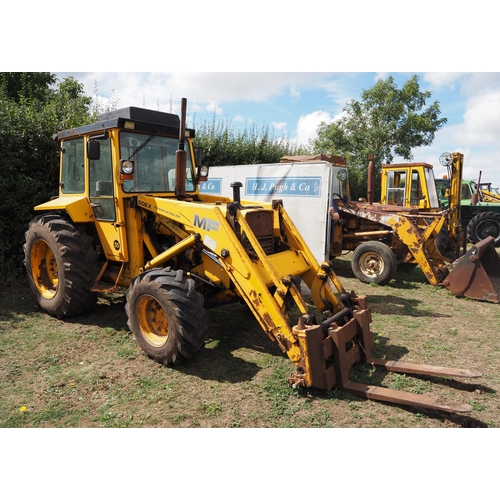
197	157
93	150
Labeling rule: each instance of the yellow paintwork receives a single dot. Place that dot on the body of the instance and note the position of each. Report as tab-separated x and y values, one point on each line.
78	207
490	196
44	269
421	244
252	278
153	321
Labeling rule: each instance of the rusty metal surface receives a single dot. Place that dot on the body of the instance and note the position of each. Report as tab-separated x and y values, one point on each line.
353	343
476	274
261	223
405	398
404	367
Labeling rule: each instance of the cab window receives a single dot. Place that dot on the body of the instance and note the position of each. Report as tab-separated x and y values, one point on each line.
416	189
72	169
154	163
101	183
396	185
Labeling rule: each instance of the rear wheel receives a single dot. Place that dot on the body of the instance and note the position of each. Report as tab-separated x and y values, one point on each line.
61	263
166	315
443	240
374	262
483	225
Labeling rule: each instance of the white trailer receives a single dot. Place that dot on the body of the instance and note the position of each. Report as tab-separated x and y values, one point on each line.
305	184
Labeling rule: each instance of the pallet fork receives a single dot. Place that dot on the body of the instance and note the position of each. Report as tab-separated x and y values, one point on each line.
332	356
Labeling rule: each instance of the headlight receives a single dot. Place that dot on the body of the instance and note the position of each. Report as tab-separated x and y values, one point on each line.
126	167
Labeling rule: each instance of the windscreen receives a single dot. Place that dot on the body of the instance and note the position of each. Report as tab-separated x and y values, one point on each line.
431	186
154	162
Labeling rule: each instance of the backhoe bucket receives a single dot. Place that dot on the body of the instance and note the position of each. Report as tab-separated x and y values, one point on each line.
476	274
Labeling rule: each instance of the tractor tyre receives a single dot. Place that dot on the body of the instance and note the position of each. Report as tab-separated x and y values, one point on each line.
442	241
166	315
483	225
374	262
61	264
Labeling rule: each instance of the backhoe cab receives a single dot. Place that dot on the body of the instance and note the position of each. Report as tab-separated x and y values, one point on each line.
130	215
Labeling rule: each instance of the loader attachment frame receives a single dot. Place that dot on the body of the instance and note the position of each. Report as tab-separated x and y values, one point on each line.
333	356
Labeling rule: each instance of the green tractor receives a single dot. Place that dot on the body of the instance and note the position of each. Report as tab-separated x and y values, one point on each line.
480	217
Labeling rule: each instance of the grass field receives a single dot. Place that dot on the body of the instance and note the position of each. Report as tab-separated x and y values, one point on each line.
88	372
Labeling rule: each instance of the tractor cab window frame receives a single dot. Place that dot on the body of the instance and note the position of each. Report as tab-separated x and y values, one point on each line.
73	166
396	187
431	188
101	190
416	193
153	157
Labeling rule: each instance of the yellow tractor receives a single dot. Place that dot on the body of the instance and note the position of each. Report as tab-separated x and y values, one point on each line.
130	215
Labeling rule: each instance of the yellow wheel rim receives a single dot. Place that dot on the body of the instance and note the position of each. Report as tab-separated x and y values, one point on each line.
153	321
44	269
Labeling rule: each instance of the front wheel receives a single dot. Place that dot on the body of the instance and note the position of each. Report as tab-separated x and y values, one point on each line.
166	315
374	262
483	225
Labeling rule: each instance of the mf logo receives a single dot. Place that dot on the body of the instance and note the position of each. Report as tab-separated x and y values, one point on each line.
206	224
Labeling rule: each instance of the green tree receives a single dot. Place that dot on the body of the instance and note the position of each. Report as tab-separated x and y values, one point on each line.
26	86
33	107
222	145
385	122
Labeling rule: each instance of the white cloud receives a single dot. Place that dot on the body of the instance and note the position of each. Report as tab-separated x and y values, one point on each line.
164	90
481	124
278	125
439	80
213	107
307	125
294	94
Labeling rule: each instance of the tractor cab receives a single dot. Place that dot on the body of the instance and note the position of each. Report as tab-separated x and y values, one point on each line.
409	185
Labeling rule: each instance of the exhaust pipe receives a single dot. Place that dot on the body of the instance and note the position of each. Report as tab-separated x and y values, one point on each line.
371	179
180	155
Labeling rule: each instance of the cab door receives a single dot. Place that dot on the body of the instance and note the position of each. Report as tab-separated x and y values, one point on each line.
103	199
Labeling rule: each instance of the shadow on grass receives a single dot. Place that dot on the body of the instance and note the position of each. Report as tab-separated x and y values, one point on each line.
231	328
409	276
109	312
394	305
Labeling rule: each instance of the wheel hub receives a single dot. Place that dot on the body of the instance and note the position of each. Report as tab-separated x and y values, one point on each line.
44	269
371	265
153	321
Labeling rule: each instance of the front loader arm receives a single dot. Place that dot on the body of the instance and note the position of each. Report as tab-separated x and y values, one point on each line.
323	353
206	225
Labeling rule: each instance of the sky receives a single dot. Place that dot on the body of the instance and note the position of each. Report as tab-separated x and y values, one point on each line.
293	104
279	64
